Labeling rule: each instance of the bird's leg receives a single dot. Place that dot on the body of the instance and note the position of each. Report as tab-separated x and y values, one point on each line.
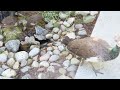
95	71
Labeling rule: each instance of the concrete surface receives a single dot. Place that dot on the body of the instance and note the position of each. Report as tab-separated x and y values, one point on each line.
107	25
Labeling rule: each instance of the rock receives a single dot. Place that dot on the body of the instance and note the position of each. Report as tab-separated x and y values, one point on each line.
1	37
34	52
75	61
40	31
1	43
56	52
71	74
69	57
23	63
51	69
53	58
62	27
9	73
56	36
13	45
11	62
16	65
66	63
1	70
3	57
78	26
49	25
82	32
71	20
64	53
25	69
55	30
63	77
5	67
49	36
55	64
55	47
35	64
60	32
71	35
72	68
49	52
40	37
44	64
88	19
2	49
57	43
66	24
62	71
40	75
29	61
64	33
11	55
35	58
34	46
45	57
49	49
61	48
6	52
26	76
84	13
63	15
93	12
22	55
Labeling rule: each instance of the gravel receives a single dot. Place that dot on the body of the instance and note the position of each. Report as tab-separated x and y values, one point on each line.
54	58
11	62
3	57
34	52
16	65
44	64
45	57
56	36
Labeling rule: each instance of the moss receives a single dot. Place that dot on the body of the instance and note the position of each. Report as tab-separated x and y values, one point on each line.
11	33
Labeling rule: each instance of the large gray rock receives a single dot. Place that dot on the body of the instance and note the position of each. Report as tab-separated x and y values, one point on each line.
13	45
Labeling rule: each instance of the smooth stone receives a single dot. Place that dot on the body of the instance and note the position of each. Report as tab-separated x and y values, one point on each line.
25	69
66	24
26	76
11	55
1	43
64	53
66	63
22	55
16	65
56	52
69	57
71	20
35	64
3	57
34	52
11	62
44	64
54	58
49	25
9	73
23	63
35	58
34	46
6	52
29	61
62	71
45	57
59	32
13	45
78	26
71	35
1	70
72	68
63	77
50	52
49	36
61	48
49	48
5	66
56	36
2	49
51	69
71	74
82	32
62	27
75	61
55	30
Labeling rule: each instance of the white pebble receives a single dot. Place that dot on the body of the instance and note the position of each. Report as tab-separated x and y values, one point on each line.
34	46
78	26
71	74
9	73
34	52
66	63
1	43
71	35
62	27
11	55
49	49
55	30
70	20
45	57
54	58
63	15
56	52
23	63
29	61
56	36
72	68
48	36
50	52
16	65
11	62
44	64
35	64
64	53
3	57
69	57
25	69
62	71
74	61
61	47
35	58
66	24
51	69
22	55
5	66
